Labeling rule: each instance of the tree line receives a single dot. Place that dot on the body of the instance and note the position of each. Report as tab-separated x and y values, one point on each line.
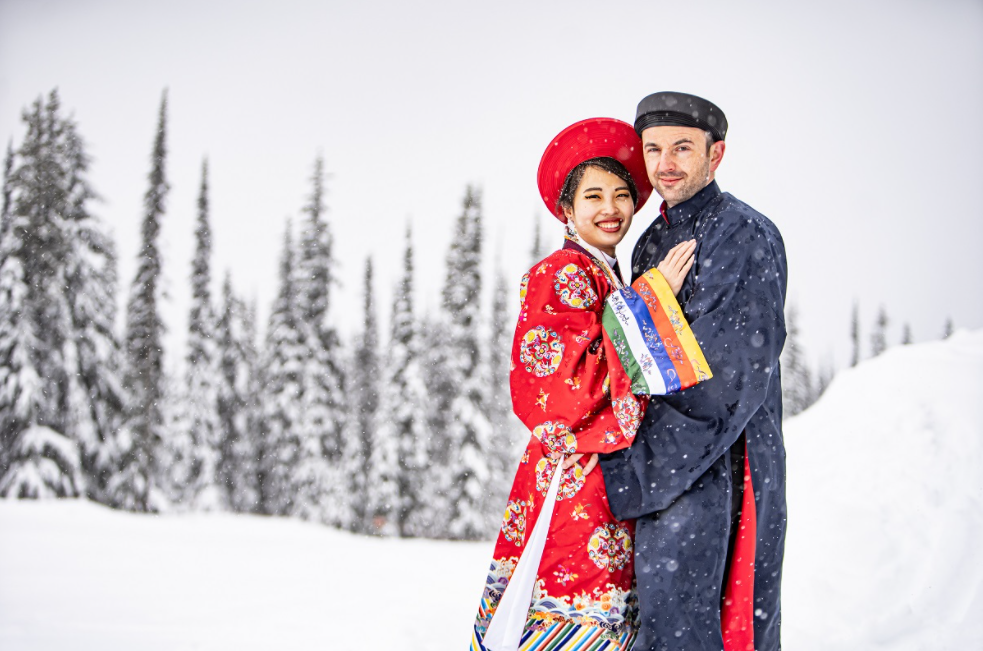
411	437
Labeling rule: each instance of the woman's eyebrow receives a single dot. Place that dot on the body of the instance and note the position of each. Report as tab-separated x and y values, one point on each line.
592	189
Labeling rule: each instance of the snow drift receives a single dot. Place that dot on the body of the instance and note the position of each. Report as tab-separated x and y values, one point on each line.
885	519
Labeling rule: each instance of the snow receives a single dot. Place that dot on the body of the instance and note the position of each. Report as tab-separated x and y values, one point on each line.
884	495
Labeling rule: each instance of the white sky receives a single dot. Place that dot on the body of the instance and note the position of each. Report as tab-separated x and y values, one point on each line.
854	126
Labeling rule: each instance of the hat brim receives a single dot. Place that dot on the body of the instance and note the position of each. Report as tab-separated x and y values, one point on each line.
591	138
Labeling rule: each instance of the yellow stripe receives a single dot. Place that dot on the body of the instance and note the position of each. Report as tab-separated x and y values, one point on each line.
663	292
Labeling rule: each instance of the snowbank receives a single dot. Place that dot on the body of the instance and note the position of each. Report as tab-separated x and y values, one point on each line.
885	521
885	489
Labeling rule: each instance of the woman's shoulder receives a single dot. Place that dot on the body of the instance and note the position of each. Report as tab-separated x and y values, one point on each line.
560	259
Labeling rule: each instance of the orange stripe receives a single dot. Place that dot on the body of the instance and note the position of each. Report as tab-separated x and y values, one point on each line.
683	365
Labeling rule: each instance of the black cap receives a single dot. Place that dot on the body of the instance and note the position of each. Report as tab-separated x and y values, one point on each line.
679	109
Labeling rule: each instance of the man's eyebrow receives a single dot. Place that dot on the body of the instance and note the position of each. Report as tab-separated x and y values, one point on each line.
681	141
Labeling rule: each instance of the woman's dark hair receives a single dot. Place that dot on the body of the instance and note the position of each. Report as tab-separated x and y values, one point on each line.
576	175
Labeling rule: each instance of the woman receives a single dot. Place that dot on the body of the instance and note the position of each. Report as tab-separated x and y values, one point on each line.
566	562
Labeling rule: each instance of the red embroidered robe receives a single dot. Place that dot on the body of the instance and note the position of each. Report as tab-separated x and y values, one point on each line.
571	392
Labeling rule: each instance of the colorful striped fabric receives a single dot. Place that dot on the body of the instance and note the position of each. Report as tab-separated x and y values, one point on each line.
652	338
565	635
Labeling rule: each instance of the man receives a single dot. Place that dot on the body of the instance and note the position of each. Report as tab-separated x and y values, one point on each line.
701	519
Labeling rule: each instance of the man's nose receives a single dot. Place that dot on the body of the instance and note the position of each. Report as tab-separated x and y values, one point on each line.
665	163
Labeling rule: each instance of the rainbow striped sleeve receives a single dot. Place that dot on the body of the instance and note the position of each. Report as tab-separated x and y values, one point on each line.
652	338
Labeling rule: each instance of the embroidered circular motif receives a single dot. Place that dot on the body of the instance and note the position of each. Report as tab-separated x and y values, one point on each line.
541	351
523	288
544	474
557	437
573	286
610	547
514	522
570	484
628	411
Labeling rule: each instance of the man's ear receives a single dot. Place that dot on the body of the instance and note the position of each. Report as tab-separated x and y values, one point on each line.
717	154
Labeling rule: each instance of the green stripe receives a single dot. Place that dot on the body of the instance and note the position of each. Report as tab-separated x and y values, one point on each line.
612	326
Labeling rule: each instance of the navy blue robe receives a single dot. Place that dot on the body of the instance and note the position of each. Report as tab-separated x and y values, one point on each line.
680	477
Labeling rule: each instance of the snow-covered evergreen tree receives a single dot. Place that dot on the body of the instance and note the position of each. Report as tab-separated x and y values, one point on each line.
59	385
536	252
237	403
507	430
949	328
283	377
798	392
469	429
878	339
137	485
6	193
906	337
855	334
321	483
201	438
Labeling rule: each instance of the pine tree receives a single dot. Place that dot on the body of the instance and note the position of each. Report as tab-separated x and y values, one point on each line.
200	439
797	388
506	428
855	334
322	488
825	377
137	485
237	401
878	339
906	337
283	378
949	328
469	430
537	242
59	392
373	463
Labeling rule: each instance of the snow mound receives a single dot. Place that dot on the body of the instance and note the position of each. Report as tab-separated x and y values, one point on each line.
885	491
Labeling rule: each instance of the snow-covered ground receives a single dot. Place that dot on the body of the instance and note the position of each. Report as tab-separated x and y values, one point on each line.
885	522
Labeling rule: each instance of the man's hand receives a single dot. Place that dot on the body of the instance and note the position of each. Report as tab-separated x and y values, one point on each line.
677	264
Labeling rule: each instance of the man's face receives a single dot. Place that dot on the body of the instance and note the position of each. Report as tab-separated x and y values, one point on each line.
678	161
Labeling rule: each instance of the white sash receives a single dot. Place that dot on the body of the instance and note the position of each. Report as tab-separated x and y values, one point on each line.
505	629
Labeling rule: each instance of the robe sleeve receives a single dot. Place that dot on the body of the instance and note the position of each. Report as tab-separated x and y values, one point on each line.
561	385
736	313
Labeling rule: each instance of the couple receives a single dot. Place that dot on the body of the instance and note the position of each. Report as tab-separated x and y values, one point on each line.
635	521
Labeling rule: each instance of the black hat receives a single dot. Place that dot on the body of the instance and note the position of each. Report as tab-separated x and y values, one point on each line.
680	109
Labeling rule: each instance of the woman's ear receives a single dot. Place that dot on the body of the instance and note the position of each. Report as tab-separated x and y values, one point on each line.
568	213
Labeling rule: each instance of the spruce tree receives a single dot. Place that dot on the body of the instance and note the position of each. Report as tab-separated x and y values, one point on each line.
536	253
237	400
138	483
322	487
469	429
200	440
906	337
797	388
878	339
404	407
855	334
59	388
506	428
283	386
949	328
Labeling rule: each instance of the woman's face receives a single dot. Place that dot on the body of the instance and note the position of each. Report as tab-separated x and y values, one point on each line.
602	209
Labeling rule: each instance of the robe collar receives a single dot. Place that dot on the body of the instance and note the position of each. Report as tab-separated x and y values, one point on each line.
683	212
613	273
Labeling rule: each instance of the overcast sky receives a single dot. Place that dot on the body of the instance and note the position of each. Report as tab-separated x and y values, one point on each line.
853	125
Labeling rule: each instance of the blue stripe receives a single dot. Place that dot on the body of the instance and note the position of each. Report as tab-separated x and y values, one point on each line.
649	332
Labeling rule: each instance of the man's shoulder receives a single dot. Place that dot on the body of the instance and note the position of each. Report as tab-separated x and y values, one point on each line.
732	216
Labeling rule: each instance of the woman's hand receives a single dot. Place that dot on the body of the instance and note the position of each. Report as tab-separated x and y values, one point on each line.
677	264
574	458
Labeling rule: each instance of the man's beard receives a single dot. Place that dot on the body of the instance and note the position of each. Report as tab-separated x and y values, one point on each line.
687	187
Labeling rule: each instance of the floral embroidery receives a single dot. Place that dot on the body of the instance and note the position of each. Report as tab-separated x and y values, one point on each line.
543	397
611	437
523	289
628	411
525	457
544	474
571	482
564	575
543	268
610	547
574	383
514	522
573	286
541	351
557	437
583	337
580	512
